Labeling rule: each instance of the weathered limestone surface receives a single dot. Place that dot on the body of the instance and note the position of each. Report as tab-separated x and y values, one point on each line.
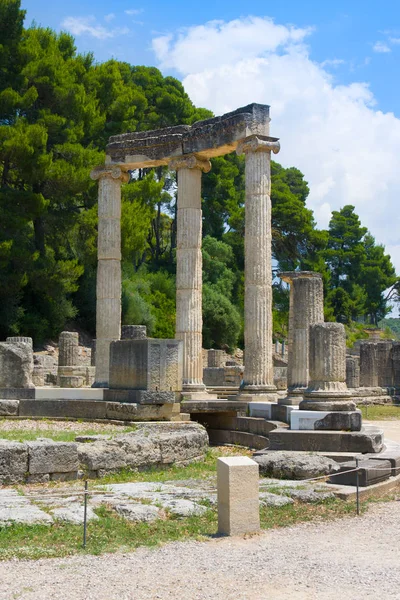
149	364
258	373
215	358
189	321
376	363
207	138
149	445
68	349
353	372
306	307
108	291
327	389
8	408
16	365
238	496
20	340
133	332
13	461
46	456
294	465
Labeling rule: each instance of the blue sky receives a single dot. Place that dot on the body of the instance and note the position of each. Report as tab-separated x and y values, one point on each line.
329	70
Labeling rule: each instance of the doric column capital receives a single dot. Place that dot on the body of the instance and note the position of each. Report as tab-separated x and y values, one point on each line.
290	276
190	162
258	143
114	172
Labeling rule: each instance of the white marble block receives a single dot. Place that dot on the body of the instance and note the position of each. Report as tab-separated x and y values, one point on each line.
238	495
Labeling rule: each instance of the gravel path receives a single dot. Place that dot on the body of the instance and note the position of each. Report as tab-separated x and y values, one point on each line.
349	559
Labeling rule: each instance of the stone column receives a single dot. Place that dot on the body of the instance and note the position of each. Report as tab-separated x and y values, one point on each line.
68	349
258	369
108	292
352	371
327	389
368	364
189	320
306	307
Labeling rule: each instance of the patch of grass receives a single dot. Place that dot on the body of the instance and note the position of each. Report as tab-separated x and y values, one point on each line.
197	470
381	412
112	533
23	435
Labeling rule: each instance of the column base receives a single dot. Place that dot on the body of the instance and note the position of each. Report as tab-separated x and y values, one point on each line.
100	384
293	397
327	402
271	397
196	391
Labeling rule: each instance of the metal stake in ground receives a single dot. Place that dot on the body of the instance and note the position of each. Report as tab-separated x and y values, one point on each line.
358	488
85	513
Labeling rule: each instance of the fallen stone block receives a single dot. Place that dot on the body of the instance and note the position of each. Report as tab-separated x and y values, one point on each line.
323	420
371	471
16	365
294	465
138	512
52	457
369	439
13	461
9	408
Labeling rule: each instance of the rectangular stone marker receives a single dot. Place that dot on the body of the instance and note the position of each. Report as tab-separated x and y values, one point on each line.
238	496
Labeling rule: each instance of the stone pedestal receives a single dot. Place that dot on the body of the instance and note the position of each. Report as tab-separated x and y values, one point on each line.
108	291
306	307
258	381
189	321
238	496
327	390
145	371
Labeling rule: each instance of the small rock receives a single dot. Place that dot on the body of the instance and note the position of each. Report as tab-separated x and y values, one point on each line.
74	514
295	465
184	508
138	512
310	495
268	499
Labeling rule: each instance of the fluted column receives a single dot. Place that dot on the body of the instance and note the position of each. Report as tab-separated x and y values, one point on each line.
189	321
258	370
306	307
108	290
327	389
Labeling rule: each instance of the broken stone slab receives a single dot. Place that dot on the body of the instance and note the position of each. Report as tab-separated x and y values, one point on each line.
18	509
9	408
138	512
46	456
183	507
140	396
275	500
16	365
73	514
294	465
331	421
13	461
371	471
369	439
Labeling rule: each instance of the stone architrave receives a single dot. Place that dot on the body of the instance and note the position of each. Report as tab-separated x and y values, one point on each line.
20	340
306	307
189	320
108	291
258	368
327	389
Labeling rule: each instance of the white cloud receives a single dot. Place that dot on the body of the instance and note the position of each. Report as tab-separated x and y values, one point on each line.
134	11
381	47
394	40
109	17
347	149
89	26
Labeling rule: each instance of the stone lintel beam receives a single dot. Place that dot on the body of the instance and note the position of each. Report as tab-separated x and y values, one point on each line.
206	139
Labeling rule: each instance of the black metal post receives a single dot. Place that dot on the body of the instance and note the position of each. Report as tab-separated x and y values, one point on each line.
358	488
85	514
